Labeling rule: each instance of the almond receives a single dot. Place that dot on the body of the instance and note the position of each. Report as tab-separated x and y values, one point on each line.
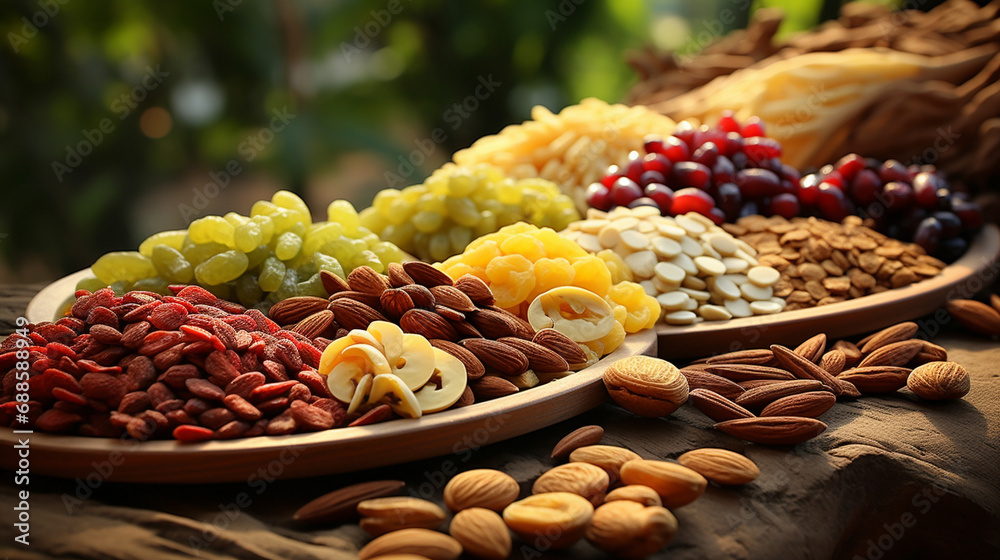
385	515
540	358
759	356
315	324
426	275
364	279
676	484
745	372
581	437
484	488
492	324
492	386
371	300
292	310
562	345
628	529
477	290
646	386
720	465
811	404
421	296
833	362
502	358
877	379
332	283
467	398
449	313
450	296
608	457
482	533
582	479
717	407
995	302
397	275
896	333
939	381
421	542
703	380
754	383
341	505
813	348
761	396
895	354
351	314
929	353
852	354
427	324
635	493
562	517
775	430
975	316
804	368
522	328
395	302
474	368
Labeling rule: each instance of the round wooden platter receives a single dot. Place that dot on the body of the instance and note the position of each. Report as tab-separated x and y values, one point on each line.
329	452
963	278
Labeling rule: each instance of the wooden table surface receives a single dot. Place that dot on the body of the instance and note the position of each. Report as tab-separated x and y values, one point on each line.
892	477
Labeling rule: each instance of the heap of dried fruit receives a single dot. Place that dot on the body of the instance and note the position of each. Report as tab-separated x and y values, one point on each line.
824	262
695	269
774	395
520	263
438	218
189	365
568	503
500	353
274	253
572	148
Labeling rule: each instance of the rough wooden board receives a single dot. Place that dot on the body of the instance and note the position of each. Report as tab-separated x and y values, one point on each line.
882	459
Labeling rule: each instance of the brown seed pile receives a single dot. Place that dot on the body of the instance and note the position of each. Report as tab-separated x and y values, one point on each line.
824	262
501	352
567	503
775	395
190	366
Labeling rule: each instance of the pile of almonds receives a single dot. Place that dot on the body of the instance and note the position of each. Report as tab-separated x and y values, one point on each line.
774	395
823	262
608	495
188	365
501	352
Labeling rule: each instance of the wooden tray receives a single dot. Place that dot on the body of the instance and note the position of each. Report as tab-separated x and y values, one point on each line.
456	431
963	278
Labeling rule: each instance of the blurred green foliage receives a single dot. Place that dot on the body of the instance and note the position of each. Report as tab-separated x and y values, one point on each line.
104	104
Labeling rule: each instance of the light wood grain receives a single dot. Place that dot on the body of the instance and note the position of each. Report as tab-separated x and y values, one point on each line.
963	278
331	451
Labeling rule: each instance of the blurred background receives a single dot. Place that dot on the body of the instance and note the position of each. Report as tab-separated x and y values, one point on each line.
119	119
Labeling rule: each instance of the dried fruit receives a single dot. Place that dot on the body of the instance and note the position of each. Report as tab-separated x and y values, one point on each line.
677	485
896	354
720	465
607	457
580	314
876	380
646	386
811	404
631	530
635	493
717	407
939	381
497	356
484	488
562	345
975	316
761	396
